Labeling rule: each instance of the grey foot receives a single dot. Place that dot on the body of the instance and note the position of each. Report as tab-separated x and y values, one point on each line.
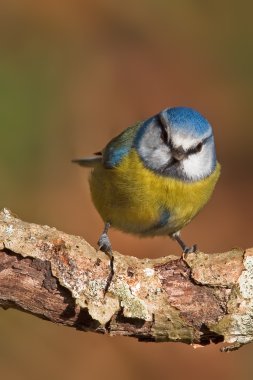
104	243
186	250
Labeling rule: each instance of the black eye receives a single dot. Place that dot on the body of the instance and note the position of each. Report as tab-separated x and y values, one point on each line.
196	149
199	147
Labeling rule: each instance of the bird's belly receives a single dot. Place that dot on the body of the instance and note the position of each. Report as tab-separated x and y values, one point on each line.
137	200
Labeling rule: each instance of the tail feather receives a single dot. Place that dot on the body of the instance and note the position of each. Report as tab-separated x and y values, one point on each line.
88	162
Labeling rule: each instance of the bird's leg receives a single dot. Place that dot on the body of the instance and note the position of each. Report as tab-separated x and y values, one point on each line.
184	247
104	243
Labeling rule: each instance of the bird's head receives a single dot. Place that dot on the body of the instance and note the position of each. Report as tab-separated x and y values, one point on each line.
177	142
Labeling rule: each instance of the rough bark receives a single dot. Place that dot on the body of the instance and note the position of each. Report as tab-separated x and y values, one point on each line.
198	299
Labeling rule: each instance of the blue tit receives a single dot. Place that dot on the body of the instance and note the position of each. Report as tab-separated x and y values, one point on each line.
155	176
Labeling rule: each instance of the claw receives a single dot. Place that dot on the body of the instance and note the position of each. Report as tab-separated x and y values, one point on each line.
191	249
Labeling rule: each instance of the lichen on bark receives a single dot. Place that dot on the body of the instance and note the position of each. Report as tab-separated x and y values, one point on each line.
197	299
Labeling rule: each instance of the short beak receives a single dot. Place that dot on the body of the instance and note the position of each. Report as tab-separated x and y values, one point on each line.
178	153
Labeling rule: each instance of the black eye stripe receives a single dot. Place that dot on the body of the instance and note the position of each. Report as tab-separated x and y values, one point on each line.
164	133
199	146
196	149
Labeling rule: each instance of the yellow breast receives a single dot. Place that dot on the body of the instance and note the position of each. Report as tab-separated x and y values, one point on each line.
133	198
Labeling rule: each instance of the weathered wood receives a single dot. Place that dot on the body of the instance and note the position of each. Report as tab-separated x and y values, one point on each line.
197	299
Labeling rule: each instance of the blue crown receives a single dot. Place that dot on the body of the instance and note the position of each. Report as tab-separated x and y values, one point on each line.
187	119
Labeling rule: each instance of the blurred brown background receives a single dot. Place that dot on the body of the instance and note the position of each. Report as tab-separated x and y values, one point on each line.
75	73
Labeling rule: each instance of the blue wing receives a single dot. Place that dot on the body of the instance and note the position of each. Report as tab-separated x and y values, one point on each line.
118	147
114	151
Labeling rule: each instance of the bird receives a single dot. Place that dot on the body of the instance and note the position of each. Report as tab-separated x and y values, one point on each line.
154	177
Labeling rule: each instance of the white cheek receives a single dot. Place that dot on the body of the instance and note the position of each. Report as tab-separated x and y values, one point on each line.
150	138
198	165
160	156
157	157
153	150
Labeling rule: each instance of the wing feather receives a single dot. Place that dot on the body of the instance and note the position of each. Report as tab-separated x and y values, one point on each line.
114	151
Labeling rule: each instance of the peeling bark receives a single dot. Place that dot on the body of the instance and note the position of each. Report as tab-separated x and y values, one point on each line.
198	299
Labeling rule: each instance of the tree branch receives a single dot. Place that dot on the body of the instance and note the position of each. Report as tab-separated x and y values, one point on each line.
199	299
